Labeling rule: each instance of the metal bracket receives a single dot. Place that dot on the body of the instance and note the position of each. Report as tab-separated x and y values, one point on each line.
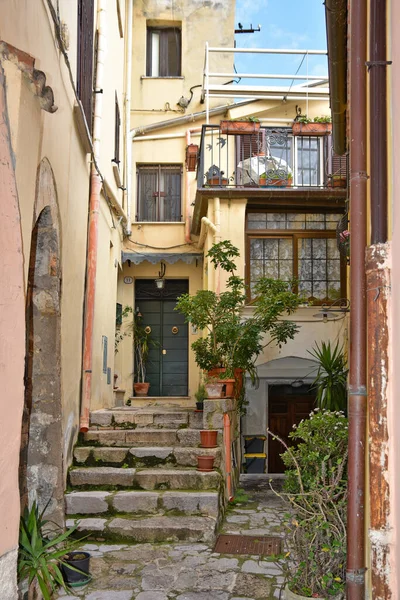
377	63
356	575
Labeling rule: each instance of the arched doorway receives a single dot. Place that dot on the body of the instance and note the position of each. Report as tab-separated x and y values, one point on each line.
41	476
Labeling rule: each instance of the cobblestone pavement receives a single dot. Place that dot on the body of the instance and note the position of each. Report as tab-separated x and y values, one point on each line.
192	571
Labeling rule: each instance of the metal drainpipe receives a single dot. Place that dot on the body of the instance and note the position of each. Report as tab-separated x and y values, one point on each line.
93	227
228	457
378	125
358	241
128	137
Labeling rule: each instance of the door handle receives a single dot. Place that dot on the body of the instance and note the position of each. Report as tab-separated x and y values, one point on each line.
164	351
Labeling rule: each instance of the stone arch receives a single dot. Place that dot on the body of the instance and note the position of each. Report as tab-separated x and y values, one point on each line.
41	476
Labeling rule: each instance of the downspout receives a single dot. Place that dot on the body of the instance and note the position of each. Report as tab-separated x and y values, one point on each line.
93	227
187	189
205	224
228	457
217	239
128	137
355	576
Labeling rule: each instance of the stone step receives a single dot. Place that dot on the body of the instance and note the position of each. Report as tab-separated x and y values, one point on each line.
90	456
141	503
146	479
143	437
162	401
150	417
153	529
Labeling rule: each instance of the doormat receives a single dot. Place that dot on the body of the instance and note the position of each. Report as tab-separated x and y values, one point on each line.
248	544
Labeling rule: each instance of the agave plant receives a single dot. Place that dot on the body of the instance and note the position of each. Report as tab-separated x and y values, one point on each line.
331	380
39	557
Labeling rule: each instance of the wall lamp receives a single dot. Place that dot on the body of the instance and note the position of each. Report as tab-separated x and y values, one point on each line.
160	281
330	311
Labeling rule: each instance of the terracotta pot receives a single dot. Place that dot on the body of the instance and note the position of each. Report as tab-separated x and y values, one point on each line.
141	389
229	385
341	182
312	128
275	182
205	463
239	127
217	181
214	390
208	438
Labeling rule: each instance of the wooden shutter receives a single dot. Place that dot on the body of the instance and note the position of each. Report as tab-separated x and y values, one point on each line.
85	56
335	164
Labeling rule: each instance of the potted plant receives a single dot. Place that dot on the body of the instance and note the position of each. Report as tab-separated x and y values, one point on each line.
141	347
231	342
330	382
276	180
245	126
315	491
337	181
200	395
302	125
75	568
42	553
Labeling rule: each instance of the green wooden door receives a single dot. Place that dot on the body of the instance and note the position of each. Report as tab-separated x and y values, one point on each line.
167	366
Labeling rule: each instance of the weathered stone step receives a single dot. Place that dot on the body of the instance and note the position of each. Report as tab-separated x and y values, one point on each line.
146	479
138	502
144	437
153	417
162	401
153	529
143	457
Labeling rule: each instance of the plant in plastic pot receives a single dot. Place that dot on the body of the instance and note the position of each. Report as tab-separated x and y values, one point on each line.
75	568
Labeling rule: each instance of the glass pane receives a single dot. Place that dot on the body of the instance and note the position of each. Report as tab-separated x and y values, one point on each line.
305	288
155	54
271	269
257	221
256	249
271	248
319	290
334	269
304	248
319	248
296	220
334	290
285	249
285	269
333	251
305	269
332	221
319	270
148	195
256	269
171	201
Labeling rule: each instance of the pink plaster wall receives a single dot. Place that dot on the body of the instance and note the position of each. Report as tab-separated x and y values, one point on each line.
394	323
12	336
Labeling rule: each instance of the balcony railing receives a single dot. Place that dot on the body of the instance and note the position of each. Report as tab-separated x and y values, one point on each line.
271	158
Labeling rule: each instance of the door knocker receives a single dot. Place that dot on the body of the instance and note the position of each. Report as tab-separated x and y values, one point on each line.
175	330
147	329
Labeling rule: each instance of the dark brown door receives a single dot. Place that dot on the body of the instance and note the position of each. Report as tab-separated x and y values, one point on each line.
286	406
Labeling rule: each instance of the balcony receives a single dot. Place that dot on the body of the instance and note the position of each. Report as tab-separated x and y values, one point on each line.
270	159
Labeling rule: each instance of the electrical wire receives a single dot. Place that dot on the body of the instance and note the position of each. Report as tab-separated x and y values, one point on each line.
301	62
158	247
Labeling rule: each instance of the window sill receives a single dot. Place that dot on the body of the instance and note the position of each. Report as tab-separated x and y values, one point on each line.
158	223
160	77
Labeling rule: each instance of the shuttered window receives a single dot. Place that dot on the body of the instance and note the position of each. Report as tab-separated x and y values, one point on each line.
159	193
85	56
163	52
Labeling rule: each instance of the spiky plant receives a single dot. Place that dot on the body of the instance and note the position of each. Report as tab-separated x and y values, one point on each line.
331	380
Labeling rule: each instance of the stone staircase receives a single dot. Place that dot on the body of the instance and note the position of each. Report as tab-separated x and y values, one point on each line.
134	477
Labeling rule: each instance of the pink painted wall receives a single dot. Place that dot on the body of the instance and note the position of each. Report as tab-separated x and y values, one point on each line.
394	376
12	336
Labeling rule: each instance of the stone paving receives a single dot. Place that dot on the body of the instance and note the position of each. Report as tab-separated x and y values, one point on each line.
192	571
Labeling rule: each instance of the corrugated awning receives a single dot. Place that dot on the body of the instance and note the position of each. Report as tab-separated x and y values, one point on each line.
154	258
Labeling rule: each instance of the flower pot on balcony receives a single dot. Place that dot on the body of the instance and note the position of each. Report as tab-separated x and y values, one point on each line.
208	438
205	463
263	182
312	128
141	389
337	182
239	127
217	181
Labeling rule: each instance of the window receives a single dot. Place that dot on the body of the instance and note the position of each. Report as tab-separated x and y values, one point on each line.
300	245
163	52
159	193
117	131
85	56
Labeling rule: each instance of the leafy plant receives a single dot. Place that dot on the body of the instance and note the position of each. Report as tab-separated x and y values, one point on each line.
231	341
304	119
323	119
316	494
40	556
331	380
201	393
141	348
121	332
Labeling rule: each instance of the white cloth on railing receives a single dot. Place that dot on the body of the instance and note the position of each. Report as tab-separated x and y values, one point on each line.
250	169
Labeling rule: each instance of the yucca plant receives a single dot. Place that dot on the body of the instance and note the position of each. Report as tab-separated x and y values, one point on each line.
331	380
40	557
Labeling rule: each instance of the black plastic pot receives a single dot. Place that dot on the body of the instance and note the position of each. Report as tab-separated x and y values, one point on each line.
200	405
76	578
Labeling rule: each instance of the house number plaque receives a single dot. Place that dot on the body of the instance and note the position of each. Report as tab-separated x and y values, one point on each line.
175	330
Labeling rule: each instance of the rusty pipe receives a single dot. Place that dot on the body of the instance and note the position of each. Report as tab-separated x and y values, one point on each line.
378	125
228	455
93	235
355	574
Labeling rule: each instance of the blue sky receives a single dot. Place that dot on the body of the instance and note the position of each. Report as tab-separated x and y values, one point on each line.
284	24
